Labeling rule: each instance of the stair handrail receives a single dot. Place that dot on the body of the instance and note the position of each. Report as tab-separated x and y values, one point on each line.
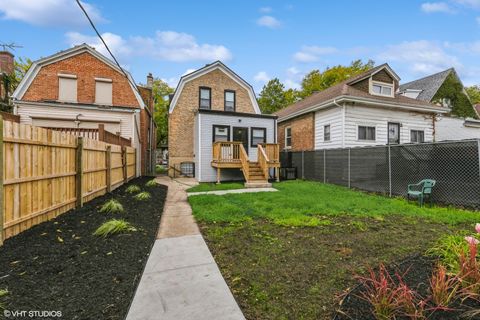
245	162
263	161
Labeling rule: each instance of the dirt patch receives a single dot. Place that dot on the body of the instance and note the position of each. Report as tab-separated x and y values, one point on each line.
280	272
60	265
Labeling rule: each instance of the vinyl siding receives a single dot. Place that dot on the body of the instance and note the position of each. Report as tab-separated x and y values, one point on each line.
203	145
369	116
332	117
448	128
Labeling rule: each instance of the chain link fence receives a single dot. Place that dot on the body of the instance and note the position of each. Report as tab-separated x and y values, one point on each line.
455	165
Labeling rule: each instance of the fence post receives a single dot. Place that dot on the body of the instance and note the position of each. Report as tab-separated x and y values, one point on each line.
79	175
389	171
108	165
324	165
124	163
2	231
349	167
303	165
136	155
101	132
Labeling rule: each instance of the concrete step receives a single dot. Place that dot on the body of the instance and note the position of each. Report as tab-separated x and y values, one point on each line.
258	184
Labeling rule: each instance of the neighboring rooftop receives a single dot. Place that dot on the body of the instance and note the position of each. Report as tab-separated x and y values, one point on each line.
345	89
428	85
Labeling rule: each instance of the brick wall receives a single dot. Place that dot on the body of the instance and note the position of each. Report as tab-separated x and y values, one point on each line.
86	67
303	132
145	124
181	120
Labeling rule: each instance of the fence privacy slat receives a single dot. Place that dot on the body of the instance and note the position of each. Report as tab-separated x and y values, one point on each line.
46	173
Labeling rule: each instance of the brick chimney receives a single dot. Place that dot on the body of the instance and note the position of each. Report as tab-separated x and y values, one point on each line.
6	62
150	80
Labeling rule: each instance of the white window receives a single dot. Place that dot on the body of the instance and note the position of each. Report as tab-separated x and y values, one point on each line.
326	133
366	133
67	88
258	136
382	89
288	137
417	136
103	91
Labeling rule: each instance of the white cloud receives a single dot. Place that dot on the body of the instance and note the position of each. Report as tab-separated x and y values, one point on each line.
469	3
165	45
188	71
421	57
269	22
65	13
265	10
261	76
313	53
431	7
291	84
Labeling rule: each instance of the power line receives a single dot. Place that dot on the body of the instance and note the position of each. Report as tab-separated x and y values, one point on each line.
106	46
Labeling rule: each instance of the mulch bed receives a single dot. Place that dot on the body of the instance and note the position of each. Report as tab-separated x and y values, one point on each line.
416	270
59	265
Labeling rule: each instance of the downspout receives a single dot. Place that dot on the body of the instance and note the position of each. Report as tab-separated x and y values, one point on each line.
343	121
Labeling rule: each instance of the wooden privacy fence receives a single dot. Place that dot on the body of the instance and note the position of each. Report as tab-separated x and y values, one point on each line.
46	173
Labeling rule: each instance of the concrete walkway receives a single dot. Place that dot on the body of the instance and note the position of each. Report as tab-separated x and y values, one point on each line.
222	192
181	280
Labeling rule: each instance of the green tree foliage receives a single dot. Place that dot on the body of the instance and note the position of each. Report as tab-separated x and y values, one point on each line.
272	97
10	82
452	89
161	92
318	81
474	93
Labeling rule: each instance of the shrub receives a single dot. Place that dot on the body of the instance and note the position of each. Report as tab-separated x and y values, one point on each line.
133	189
159	169
443	287
448	250
469	272
113	226
143	196
151	183
112	206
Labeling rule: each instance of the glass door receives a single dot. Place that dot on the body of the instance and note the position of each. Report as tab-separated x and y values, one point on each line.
393	133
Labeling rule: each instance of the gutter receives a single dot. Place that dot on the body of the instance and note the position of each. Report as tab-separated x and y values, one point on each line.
79	106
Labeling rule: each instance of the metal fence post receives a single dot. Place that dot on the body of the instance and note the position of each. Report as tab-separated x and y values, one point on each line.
324	166
303	165
389	171
348	167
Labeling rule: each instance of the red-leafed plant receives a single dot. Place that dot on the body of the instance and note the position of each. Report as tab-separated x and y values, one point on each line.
444	288
469	272
409	302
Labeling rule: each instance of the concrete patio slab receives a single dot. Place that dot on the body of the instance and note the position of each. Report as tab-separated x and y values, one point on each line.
181	280
222	192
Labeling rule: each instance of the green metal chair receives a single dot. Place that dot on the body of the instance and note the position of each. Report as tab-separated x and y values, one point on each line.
421	191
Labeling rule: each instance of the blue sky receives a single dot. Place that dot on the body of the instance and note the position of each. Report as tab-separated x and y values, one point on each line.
259	39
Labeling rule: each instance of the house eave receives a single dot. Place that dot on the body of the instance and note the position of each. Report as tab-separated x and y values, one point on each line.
77	105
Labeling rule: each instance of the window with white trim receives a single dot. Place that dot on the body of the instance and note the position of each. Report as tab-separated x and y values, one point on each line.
366	133
103	91
288	137
67	88
382	89
326	133
417	136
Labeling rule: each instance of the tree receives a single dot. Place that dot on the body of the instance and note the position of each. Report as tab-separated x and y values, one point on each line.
272	97
161	91
318	81
11	82
474	93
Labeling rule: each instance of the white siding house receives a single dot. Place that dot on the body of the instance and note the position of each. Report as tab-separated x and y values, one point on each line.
450	128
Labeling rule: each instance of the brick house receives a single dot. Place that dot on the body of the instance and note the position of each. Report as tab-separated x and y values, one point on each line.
216	129
361	111
80	89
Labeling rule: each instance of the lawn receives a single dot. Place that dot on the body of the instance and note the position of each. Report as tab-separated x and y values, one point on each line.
208	186
290	254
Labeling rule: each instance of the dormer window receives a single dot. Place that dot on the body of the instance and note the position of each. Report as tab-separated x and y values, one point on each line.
205	98
381	89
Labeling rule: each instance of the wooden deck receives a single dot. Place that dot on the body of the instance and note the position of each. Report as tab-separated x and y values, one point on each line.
231	155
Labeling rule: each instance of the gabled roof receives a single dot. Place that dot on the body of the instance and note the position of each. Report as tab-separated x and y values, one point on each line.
217	65
345	91
61	55
428	85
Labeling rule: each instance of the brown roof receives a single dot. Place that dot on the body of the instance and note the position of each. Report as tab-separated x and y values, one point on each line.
345	89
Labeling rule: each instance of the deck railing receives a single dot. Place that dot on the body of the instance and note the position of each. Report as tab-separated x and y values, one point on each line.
225	151
263	160
272	151
245	163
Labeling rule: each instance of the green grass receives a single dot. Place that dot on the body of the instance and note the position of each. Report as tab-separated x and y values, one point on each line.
142	196
297	203
133	189
112	227
207	186
112	206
